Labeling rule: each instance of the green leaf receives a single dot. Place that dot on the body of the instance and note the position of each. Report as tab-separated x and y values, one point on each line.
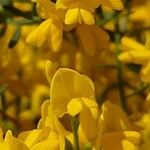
15	37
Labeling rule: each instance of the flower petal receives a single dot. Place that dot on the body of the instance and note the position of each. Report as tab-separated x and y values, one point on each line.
41	30
72	16
74	107
86	17
114	118
66	85
116	4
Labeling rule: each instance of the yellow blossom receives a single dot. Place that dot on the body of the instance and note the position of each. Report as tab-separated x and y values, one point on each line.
10	142
79	11
115	130
141	14
50	30
116	4
68	90
137	53
50	132
72	99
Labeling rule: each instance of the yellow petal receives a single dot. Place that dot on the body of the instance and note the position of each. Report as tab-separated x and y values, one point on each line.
93	106
56	33
117	141
63	3
14	143
35	136
50	70
130	44
128	145
89	81
87	39
74	107
86	17
90	117
49	119
116	4
147	43
101	38
47	145
44	114
137	57
4	146
145	72
8	135
66	85
46	9
132	136
71	16
81	62
39	35
114	118
53	121
139	14
23	135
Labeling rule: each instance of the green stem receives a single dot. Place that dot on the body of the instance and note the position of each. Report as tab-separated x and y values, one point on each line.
75	125
138	91
8	117
117	38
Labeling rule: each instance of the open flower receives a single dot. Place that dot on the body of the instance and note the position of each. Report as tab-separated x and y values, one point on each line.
50	133
72	93
115	130
50	30
79	11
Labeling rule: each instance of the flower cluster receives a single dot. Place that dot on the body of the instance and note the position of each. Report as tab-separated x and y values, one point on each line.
72	110
96	57
67	15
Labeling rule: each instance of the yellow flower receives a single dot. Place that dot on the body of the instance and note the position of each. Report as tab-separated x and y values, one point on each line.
79	11
50	30
141	14
40	139
66	85
137	53
115	131
73	93
49	119
50	70
76	15
77	59
50	133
